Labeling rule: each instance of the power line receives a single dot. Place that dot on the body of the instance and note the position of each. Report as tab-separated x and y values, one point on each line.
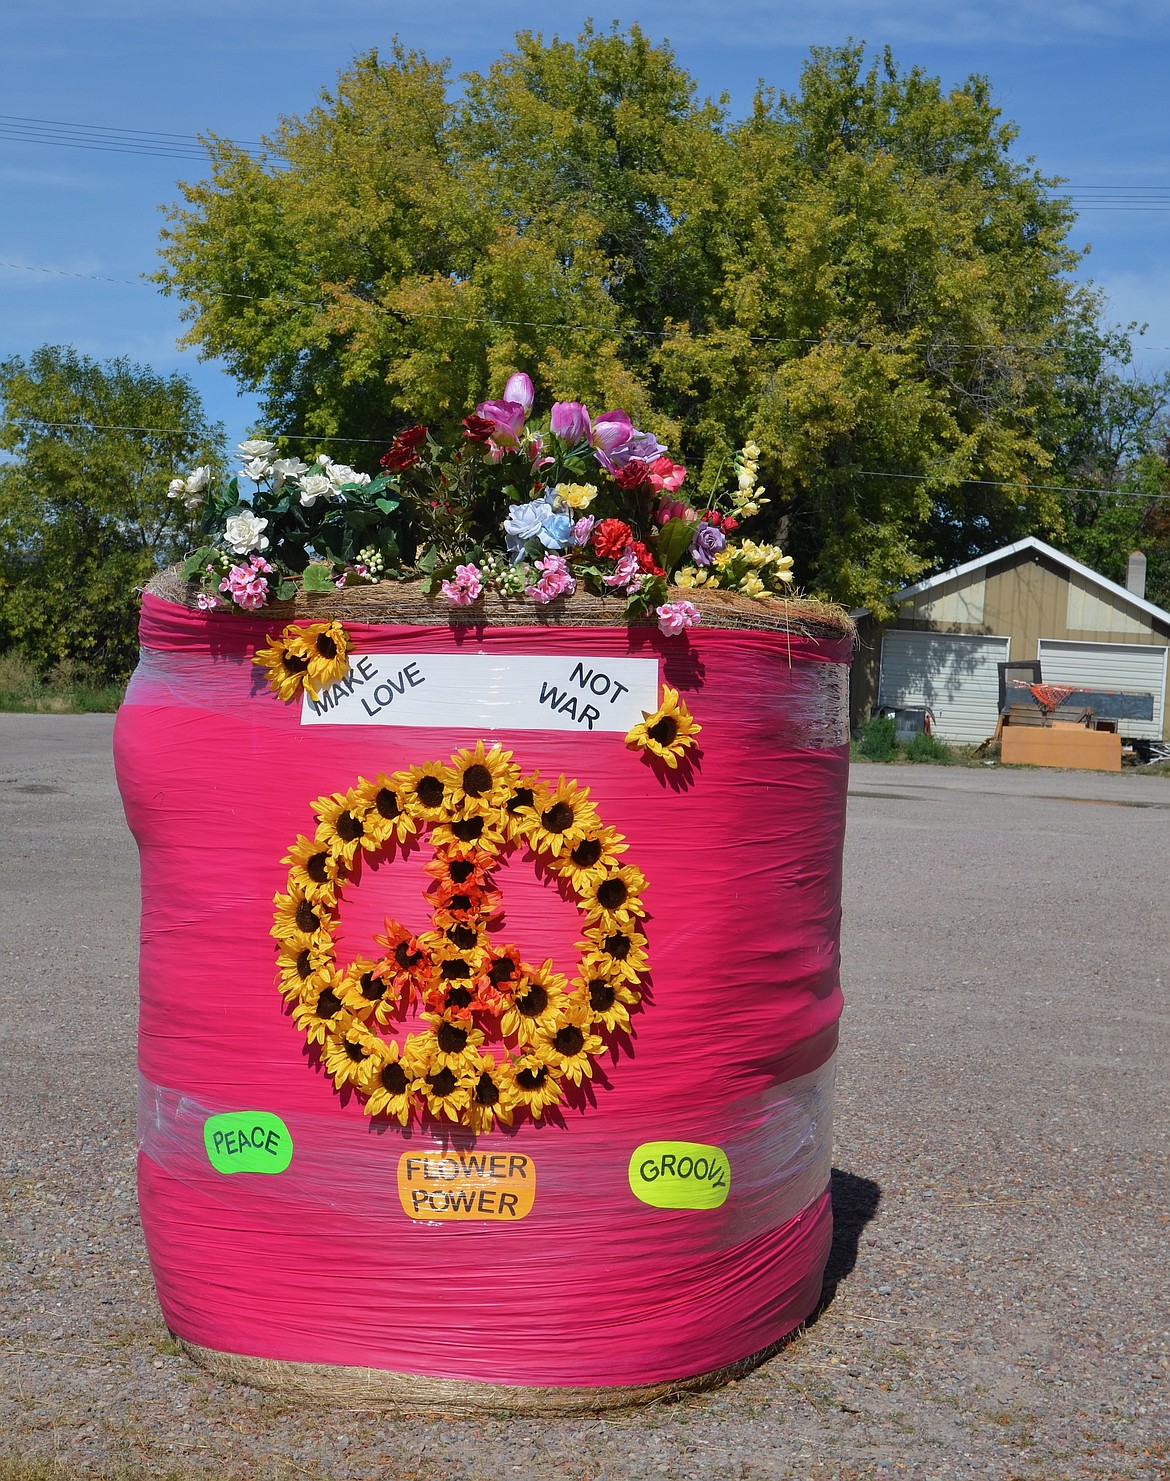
114	140
1052	488
1050	351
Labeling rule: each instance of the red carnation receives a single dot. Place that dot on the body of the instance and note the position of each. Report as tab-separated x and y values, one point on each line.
611	537
633	475
730	524
713	517
403	452
477	429
646	561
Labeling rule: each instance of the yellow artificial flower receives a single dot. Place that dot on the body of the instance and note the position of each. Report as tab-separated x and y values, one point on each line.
454	1041
534	1082
571	1044
389	1082
564	816
481	781
363	979
324	646
493	1097
286	670
445	1092
752	586
667	733
533	1002
607	1001
577	496
591	859
722	557
296	964
341	825
347	1052
300	921
483	832
423	789
314	871
687	577
385	815
326	1005
614	899
620	953
520	809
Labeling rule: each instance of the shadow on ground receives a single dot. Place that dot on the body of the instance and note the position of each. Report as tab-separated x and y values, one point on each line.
855	1202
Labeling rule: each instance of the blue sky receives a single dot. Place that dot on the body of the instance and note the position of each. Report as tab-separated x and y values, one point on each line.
1085	80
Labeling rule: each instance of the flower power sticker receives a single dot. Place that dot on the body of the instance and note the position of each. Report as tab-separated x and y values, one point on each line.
247	1141
466	1185
680	1175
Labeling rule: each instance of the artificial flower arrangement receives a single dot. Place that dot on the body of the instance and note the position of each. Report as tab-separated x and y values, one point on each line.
529	509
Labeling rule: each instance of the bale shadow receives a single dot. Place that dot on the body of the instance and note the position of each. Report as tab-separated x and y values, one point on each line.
855	1202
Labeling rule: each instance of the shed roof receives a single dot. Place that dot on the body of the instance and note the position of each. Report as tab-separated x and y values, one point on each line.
1038	547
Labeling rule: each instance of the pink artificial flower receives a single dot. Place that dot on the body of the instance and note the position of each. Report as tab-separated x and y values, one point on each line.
581	531
666	476
519	390
507	420
466	588
627	573
246	585
555	581
675	617
207	602
570	422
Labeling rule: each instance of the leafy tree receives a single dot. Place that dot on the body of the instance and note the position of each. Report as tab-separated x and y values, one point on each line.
84	513
858	276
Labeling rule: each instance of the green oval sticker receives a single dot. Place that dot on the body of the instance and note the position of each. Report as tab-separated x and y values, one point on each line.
247	1141
680	1175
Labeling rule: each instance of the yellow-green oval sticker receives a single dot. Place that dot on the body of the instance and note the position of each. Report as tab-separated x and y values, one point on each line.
247	1141
680	1175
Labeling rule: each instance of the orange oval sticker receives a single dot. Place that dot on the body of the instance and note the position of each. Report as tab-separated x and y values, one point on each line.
466	1185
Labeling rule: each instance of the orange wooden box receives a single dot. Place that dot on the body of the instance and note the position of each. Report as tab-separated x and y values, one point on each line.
1074	746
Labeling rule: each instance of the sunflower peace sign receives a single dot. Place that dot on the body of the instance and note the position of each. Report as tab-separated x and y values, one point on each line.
502	1035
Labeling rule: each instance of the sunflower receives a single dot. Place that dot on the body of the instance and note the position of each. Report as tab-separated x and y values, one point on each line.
493	1097
385	813
481	781
571	1044
314	871
285	670
327	1005
667	732
607	1000
614	899
363	978
346	1051
406	966
591	859
342	826
300	921
454	1041
533	1003
389	1081
324	646
564	816
466	906
423	790
620	952
534	1081
452	969
481	831
446	1092
296	964
520	808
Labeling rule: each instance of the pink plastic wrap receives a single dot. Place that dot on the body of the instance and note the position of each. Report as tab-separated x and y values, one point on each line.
584	1280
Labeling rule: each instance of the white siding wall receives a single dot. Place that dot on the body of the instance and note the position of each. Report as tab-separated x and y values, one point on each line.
1134	666
952	674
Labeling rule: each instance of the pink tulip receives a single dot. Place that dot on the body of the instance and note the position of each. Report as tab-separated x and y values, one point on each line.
507	420
570	422
519	390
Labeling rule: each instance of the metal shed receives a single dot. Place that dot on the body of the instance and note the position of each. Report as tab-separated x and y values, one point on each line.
1023	601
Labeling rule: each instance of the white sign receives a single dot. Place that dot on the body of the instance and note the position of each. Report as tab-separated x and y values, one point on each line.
486	691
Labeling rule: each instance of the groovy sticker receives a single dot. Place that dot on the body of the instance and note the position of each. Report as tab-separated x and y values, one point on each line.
466	1185
247	1141
680	1175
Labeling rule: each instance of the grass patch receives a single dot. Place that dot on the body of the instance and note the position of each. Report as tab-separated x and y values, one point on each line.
64	692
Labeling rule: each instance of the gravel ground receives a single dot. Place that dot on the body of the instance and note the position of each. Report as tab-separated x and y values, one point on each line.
995	1305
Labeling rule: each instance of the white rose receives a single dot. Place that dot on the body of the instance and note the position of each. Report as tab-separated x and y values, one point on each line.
313	487
245	533
257	468
340	473
177	488
289	468
324	460
198	480
256	448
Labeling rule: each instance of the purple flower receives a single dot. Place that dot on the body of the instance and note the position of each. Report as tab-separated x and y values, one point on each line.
507	420
611	431
579	534
519	391
707	543
645	447
570	422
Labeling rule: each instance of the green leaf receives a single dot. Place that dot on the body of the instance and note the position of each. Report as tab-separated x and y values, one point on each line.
319	577
427	560
674	540
387	506
286	590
